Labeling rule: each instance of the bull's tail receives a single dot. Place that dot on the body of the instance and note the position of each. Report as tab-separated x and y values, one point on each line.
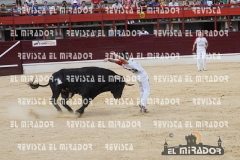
36	85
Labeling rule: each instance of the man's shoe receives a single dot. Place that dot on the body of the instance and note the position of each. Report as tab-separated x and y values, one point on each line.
204	70
199	70
145	110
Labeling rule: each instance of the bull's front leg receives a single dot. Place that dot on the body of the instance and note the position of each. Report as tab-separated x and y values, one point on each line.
85	101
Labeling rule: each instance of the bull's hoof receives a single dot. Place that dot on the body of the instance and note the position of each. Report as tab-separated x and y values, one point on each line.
78	114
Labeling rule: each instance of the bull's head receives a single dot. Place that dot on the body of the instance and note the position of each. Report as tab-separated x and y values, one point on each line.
118	86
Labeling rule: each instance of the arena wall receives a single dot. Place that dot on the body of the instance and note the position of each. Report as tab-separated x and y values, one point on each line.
12	62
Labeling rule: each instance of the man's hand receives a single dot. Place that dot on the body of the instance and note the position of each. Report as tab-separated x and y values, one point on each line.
110	60
206	47
193	49
105	60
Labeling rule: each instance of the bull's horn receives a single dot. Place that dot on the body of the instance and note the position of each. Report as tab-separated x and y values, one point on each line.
34	79
128	84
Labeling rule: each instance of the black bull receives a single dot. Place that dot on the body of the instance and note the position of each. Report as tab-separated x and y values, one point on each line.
87	82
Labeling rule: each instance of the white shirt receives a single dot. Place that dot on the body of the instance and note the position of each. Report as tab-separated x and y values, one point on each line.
56	9
201	43
25	9
209	3
135	68
143	33
30	3
117	6
83	9
233	2
171	4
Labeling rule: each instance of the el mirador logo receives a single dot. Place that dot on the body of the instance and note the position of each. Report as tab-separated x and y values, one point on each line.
194	146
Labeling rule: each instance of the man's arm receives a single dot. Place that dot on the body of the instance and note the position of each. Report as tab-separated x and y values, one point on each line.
206	45
194	44
119	57
110	60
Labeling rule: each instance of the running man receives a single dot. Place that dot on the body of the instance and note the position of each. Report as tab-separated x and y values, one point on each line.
202	45
140	73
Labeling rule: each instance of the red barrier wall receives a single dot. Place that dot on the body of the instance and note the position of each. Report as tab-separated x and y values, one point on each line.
10	58
101	45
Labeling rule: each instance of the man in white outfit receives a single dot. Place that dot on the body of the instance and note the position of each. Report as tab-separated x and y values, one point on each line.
202	45
143	32
140	73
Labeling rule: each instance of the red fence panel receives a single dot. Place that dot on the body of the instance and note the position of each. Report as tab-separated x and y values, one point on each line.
10	63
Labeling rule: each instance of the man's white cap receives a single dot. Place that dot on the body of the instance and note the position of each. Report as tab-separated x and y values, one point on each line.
74	1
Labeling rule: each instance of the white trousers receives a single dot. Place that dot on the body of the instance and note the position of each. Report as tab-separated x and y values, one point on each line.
201	53
144	87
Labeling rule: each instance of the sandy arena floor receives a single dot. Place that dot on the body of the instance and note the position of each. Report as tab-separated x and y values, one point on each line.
146	139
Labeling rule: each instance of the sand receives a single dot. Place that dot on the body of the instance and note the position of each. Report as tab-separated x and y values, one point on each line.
96	140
